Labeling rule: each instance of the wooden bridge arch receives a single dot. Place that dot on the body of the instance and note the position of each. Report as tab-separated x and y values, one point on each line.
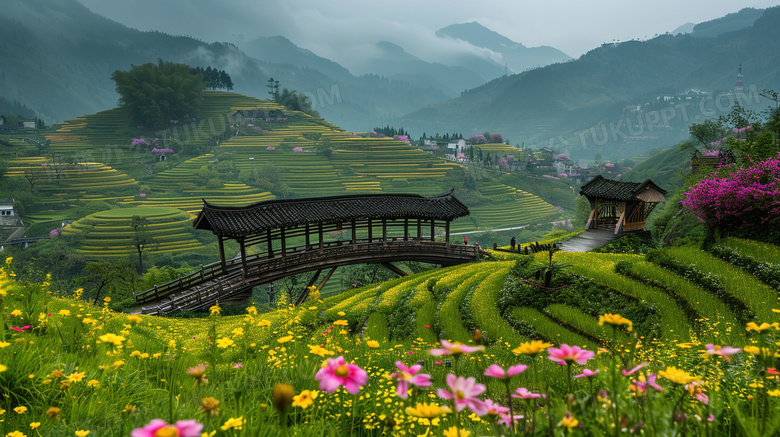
288	237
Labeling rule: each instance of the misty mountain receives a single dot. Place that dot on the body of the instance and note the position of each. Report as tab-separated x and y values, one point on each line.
280	50
395	63
685	28
57	57
554	104
515	55
734	21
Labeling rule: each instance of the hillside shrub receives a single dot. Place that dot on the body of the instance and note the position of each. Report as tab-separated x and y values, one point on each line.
748	198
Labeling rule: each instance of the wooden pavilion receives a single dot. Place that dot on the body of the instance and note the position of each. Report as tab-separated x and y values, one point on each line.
282	227
618	205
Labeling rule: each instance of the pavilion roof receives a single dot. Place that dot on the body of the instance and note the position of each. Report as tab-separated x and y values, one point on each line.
608	189
244	221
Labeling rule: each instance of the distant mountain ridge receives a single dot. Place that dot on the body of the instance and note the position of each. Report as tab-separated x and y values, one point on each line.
57	58
554	104
516	56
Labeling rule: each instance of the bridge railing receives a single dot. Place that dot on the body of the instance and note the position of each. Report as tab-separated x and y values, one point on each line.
302	254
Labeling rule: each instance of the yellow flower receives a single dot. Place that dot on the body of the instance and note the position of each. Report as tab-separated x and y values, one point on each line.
15	313
373	344
616	320
35	425
252	310
320	351
223	343
76	376
106	299
94	383
134	318
64	312
210	405
215	310
238	332
569	421
455	432
53	413
4	344
20	410
117	364
677	375
282	396
236	423
341	313
341	323
3	368
15	434
116	340
82	433
264	323
775	393
752	326
284	339
426	410
305	399
531	348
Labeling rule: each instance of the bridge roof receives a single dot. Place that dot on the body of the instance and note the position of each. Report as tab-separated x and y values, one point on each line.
244	221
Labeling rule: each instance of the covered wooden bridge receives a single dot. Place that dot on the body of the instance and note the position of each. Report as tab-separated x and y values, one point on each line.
279	238
620	206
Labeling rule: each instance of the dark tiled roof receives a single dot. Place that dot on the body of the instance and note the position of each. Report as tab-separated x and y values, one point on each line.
608	189
237	222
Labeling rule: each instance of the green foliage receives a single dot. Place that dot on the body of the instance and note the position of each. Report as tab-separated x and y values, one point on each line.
630	243
156	94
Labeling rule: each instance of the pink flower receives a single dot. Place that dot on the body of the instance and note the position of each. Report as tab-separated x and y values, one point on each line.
337	372
22	329
724	351
407	376
635	369
493	408
464	391
587	373
566	354
454	349
641	387
524	393
238	365
182	428
507	420
497	372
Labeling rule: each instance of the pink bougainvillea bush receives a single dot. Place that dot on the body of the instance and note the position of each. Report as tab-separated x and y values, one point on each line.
748	196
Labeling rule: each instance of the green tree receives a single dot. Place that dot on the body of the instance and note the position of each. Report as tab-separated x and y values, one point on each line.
156	94
707	132
140	238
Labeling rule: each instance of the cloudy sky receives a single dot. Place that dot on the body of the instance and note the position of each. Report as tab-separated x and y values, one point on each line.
343	29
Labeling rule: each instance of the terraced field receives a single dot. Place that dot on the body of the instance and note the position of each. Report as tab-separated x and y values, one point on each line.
513	207
107	234
449	303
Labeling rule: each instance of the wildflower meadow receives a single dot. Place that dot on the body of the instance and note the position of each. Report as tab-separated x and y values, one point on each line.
68	368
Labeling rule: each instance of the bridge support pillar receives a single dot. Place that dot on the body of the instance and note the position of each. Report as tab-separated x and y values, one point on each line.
433	230
221	252
243	259
370	231
447	231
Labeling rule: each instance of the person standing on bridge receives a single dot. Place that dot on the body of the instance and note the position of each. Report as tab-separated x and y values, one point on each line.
512	242
465	240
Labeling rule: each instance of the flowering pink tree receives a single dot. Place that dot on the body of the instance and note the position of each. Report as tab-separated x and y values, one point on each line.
749	196
477	139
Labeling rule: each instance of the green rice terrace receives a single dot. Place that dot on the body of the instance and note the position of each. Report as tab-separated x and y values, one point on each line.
108	234
99	157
